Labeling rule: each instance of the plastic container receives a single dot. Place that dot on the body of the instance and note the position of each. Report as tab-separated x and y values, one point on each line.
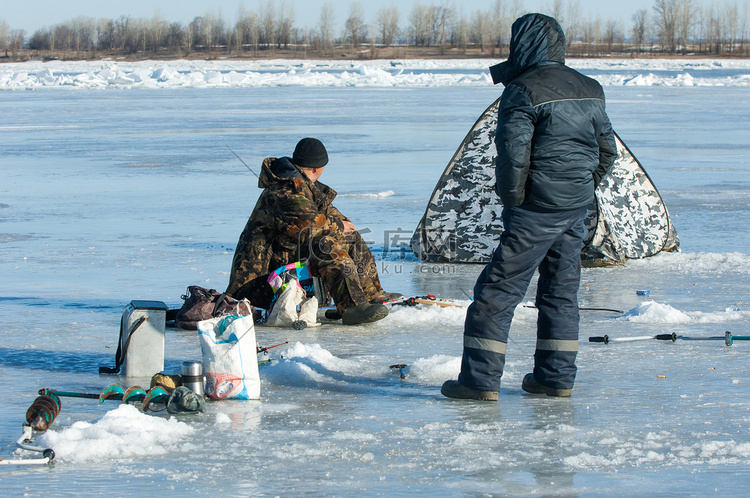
144	323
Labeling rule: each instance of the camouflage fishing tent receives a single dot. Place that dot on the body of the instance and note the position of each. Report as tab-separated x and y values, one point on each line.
462	222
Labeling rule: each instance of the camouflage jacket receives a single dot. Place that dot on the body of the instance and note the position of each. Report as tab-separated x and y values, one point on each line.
290	212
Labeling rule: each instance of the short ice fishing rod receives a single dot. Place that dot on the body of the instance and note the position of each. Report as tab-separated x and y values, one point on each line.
728	338
264	350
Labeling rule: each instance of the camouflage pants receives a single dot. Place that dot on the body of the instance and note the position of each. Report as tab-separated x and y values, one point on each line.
347	269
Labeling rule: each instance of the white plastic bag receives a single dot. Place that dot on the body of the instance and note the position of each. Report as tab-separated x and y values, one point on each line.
230	359
284	311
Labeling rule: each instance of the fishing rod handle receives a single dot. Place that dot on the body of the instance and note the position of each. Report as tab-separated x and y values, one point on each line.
600	338
666	337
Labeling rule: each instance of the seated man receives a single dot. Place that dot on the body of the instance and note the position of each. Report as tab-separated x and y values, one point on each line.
294	219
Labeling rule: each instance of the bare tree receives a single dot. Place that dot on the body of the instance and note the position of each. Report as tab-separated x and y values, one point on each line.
106	29
355	30
480	29
572	24
38	41
140	29
238	33
83	32
460	37
499	24
245	29
219	30
201	33
326	25
744	33
685	13
157	31
15	41
732	22
556	10
284	24
665	21
420	24
386	23
4	37
122	30
591	34
516	9
174	38
612	34
440	18
189	38
640	29
266	14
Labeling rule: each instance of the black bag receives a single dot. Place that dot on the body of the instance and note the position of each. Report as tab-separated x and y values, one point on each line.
203	304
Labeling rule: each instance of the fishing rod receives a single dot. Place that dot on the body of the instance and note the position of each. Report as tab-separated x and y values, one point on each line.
265	350
243	162
728	338
607	339
428	299
269	360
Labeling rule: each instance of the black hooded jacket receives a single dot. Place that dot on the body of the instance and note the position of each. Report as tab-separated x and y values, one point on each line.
554	139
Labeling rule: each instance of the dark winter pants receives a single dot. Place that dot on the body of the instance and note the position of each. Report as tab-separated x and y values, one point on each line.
551	242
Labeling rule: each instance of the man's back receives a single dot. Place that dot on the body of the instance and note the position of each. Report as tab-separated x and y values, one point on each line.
567	113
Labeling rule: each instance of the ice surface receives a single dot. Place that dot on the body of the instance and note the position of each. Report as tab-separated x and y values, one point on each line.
131	193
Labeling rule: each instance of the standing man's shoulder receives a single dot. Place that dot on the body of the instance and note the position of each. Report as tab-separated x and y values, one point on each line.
558	82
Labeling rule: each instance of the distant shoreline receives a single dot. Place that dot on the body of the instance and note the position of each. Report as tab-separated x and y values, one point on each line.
342	53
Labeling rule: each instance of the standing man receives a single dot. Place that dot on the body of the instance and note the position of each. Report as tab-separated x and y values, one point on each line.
554	144
294	218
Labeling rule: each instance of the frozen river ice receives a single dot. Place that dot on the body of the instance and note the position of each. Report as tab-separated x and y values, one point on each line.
110	195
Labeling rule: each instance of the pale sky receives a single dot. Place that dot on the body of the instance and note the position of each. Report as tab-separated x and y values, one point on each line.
31	15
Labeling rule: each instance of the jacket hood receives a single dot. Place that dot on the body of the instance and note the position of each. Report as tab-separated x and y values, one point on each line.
278	170
535	39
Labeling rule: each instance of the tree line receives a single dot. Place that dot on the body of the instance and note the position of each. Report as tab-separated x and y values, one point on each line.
669	27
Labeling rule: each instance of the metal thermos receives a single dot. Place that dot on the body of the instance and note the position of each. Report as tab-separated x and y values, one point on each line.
192	376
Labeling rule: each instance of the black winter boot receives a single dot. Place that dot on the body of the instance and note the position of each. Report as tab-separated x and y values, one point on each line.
364	313
454	389
530	385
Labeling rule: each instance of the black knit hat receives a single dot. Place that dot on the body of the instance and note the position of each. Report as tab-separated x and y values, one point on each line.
310	153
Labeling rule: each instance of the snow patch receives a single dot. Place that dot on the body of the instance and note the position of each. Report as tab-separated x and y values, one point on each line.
654	312
435	369
121	433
